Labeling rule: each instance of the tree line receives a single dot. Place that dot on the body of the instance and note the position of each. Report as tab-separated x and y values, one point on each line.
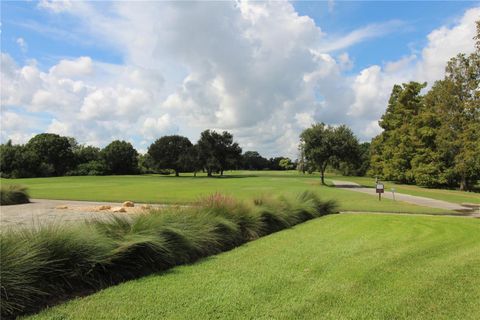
433	139
49	154
430	139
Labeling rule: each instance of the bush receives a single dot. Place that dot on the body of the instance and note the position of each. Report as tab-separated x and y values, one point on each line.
91	168
51	263
13	194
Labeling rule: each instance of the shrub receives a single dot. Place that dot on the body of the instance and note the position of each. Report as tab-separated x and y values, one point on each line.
91	168
51	263
13	194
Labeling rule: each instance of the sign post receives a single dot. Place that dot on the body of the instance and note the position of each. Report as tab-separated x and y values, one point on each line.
393	193
380	188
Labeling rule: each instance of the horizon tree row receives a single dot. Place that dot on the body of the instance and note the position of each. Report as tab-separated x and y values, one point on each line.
433	139
49	154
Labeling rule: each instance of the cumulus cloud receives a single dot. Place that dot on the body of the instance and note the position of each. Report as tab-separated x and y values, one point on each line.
258	69
88	108
446	42
73	68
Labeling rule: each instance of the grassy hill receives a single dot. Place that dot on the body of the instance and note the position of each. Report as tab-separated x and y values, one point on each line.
337	267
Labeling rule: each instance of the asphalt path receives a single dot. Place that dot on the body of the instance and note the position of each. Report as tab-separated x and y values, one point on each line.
421	201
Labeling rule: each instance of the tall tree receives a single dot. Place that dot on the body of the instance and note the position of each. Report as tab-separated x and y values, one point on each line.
459	133
326	145
434	139
53	151
218	152
393	150
120	157
171	152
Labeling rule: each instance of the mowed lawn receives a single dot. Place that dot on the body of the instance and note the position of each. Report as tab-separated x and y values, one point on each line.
187	189
454	196
348	266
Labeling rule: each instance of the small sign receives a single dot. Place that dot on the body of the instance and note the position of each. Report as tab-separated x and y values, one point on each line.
380	188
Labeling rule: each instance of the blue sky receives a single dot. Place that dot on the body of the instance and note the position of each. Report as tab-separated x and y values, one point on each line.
45	33
180	68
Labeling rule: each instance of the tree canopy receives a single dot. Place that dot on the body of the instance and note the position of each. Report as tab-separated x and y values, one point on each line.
218	152
324	145
171	152
120	158
53	151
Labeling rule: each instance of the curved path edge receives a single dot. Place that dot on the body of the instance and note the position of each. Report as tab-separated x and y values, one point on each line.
421	201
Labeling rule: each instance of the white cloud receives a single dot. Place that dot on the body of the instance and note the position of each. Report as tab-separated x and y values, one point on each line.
56	6
445	42
73	68
258	69
22	44
153	128
360	35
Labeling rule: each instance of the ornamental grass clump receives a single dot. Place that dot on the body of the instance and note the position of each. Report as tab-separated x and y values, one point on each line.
13	194
51	263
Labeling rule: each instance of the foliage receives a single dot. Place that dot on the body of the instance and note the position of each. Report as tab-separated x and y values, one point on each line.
396	143
91	168
171	152
326	145
53	262
286	164
13	194
433	139
52	150
120	158
146	164
217	152
360	165
16	161
252	160
85	154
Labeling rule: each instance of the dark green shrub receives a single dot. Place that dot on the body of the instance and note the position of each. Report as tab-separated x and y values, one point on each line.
91	168
13	194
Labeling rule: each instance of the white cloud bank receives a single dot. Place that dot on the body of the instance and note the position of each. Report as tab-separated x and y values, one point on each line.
259	70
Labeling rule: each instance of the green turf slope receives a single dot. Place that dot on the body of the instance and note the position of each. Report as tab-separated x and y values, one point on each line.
187	189
347	266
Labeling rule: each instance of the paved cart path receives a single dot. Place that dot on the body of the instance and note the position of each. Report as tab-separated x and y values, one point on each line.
421	201
40	211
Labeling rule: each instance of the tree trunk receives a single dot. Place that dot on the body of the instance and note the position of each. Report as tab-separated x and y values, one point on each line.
221	172
209	172
176	173
463	183
195	173
323	168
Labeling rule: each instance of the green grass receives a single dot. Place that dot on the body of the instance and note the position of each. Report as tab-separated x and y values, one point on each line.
187	189
55	261
337	267
454	196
